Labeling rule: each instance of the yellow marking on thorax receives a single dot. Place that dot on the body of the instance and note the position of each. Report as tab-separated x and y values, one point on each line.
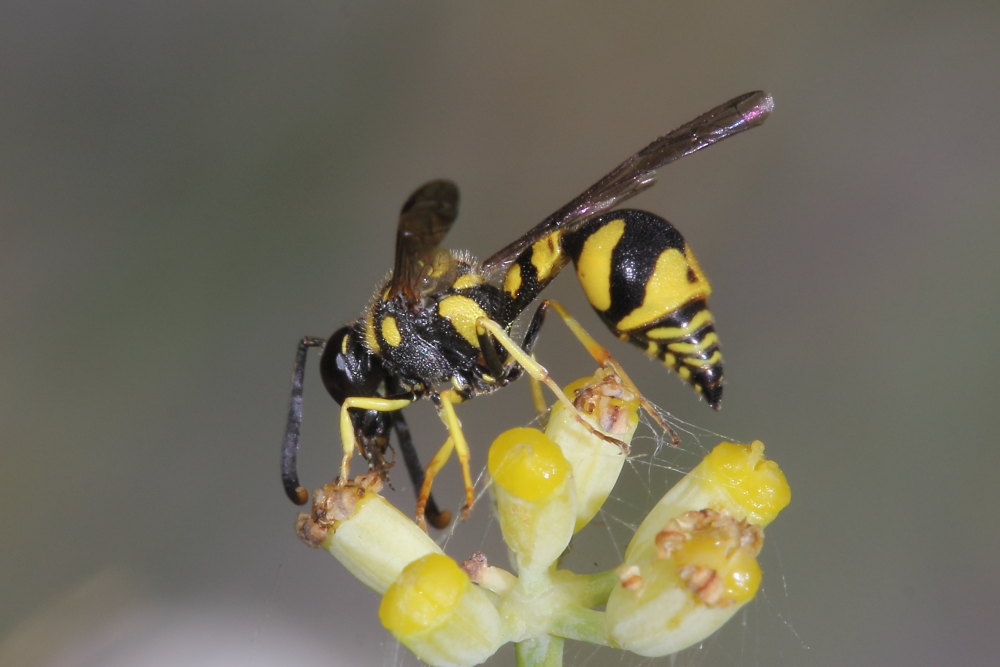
370	337
668	288
546	254
462	312
390	332
593	269
512	281
469	280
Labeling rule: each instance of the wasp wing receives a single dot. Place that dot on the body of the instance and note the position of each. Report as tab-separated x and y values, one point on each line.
638	172
424	220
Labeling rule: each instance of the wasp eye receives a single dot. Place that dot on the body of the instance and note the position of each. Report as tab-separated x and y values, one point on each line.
348	368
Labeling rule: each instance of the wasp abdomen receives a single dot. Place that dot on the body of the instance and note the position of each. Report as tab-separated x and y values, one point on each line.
645	283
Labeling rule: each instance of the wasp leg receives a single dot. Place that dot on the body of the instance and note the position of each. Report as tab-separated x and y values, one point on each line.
290	447
530	337
535	370
429	508
445	402
433	468
537	396
603	357
349	442
456	442
506	372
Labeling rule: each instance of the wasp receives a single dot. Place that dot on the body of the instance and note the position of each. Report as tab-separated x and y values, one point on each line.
441	324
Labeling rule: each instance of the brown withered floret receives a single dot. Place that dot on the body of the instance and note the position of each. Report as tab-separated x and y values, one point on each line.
333	503
475	565
604	398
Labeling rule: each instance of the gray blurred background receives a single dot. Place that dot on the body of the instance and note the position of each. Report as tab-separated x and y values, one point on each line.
186	188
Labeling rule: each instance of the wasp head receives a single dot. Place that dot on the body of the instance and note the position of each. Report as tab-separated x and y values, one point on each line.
348	367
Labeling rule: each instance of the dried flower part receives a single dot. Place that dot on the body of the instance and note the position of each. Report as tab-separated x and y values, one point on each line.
630	578
715	555
312	533
332	504
604	397
362	530
606	404
475	565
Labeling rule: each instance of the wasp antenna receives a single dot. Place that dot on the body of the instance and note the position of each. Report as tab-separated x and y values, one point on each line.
290	448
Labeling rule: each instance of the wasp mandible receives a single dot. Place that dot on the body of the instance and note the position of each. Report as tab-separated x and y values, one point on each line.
440	326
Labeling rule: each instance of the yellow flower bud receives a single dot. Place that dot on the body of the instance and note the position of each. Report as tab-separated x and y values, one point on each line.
754	483
534	498
527	464
735	478
436	612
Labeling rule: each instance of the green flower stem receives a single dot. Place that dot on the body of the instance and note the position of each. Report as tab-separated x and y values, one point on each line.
544	651
582	624
496	580
587	590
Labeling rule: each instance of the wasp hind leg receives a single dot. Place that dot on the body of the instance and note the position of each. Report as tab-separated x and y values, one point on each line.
505	372
602	356
487	328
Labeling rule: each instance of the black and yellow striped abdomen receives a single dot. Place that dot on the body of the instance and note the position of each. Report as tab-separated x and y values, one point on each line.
645	283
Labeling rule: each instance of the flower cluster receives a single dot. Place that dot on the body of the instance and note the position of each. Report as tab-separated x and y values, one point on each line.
690	565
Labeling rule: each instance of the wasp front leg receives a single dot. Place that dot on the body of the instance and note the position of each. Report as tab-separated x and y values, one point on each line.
347	435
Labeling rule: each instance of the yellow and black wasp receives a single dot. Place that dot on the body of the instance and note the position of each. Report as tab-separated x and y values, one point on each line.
440	326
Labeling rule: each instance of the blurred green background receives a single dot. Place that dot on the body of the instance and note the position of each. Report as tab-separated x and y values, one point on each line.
186	188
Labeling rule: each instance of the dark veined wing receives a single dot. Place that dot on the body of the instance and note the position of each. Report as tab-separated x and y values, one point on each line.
638	172
423	222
